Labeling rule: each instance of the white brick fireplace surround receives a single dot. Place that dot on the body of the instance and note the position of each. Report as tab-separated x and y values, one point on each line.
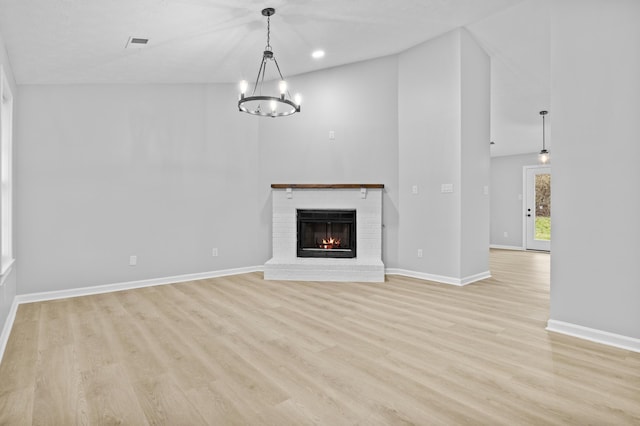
366	199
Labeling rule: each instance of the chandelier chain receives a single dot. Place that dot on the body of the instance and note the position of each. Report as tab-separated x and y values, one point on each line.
268	47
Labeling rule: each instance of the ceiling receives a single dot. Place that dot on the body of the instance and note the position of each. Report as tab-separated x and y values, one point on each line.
211	41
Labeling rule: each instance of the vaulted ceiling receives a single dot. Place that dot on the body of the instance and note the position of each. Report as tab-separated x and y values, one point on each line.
207	41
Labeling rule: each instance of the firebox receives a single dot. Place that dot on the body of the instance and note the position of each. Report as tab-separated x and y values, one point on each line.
326	233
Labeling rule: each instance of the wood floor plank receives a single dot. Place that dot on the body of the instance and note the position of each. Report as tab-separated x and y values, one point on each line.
58	395
241	350
18	367
164	402
216	406
111	398
16	407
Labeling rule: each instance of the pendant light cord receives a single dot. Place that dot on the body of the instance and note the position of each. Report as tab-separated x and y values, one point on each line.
543	132
543	113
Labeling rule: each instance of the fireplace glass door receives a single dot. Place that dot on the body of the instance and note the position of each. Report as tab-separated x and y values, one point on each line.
327	233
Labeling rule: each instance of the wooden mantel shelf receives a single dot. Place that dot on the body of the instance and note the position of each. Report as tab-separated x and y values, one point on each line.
327	185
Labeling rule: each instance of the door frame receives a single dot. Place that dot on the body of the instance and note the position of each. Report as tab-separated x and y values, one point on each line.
525	169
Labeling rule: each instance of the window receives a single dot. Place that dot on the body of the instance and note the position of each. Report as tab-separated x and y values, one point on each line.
6	176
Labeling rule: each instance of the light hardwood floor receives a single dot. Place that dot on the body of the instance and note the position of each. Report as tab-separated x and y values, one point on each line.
241	350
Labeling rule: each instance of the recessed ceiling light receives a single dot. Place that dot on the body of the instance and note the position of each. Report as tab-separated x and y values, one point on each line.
137	43
318	54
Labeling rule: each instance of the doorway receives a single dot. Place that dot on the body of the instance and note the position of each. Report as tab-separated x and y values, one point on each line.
537	208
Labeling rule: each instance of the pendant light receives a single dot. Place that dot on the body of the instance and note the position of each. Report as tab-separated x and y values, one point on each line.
262	104
543	157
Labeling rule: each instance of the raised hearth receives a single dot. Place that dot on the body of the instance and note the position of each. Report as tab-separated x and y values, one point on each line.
326	209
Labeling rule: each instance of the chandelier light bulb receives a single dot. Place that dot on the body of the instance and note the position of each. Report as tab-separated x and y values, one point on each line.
283	87
297	99
274	107
244	85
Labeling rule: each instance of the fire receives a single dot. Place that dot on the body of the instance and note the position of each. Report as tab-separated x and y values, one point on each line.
330	243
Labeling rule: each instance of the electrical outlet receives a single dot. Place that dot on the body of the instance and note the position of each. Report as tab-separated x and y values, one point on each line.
332	135
420	253
414	189
214	252
133	260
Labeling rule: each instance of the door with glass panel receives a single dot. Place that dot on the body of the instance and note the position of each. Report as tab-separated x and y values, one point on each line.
538	208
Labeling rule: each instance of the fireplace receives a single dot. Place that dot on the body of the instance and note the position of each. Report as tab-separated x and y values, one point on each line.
326	233
364	204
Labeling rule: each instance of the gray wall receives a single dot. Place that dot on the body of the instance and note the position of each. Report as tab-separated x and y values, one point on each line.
437	134
595	102
475	103
506	198
8	286
429	131
164	172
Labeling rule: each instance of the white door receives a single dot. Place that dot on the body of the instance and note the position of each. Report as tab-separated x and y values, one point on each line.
537	206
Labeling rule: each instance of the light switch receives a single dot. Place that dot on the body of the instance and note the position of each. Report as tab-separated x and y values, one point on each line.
414	189
446	188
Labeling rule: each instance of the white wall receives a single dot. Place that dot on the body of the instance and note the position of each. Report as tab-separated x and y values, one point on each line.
164	172
595	102
475	102
437	134
359	103
429	146
506	198
8	285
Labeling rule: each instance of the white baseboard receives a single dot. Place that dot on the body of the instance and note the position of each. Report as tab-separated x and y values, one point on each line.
500	247
594	335
476	277
439	278
108	288
8	325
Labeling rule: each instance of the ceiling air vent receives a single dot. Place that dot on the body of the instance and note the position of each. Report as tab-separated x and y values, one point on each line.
137	43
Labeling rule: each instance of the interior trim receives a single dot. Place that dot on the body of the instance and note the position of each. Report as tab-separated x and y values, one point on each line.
594	335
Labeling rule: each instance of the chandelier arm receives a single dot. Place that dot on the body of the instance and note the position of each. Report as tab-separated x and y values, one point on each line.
255	86
264	70
278	67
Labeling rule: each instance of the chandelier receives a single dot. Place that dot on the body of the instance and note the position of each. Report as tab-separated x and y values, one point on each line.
543	157
263	104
